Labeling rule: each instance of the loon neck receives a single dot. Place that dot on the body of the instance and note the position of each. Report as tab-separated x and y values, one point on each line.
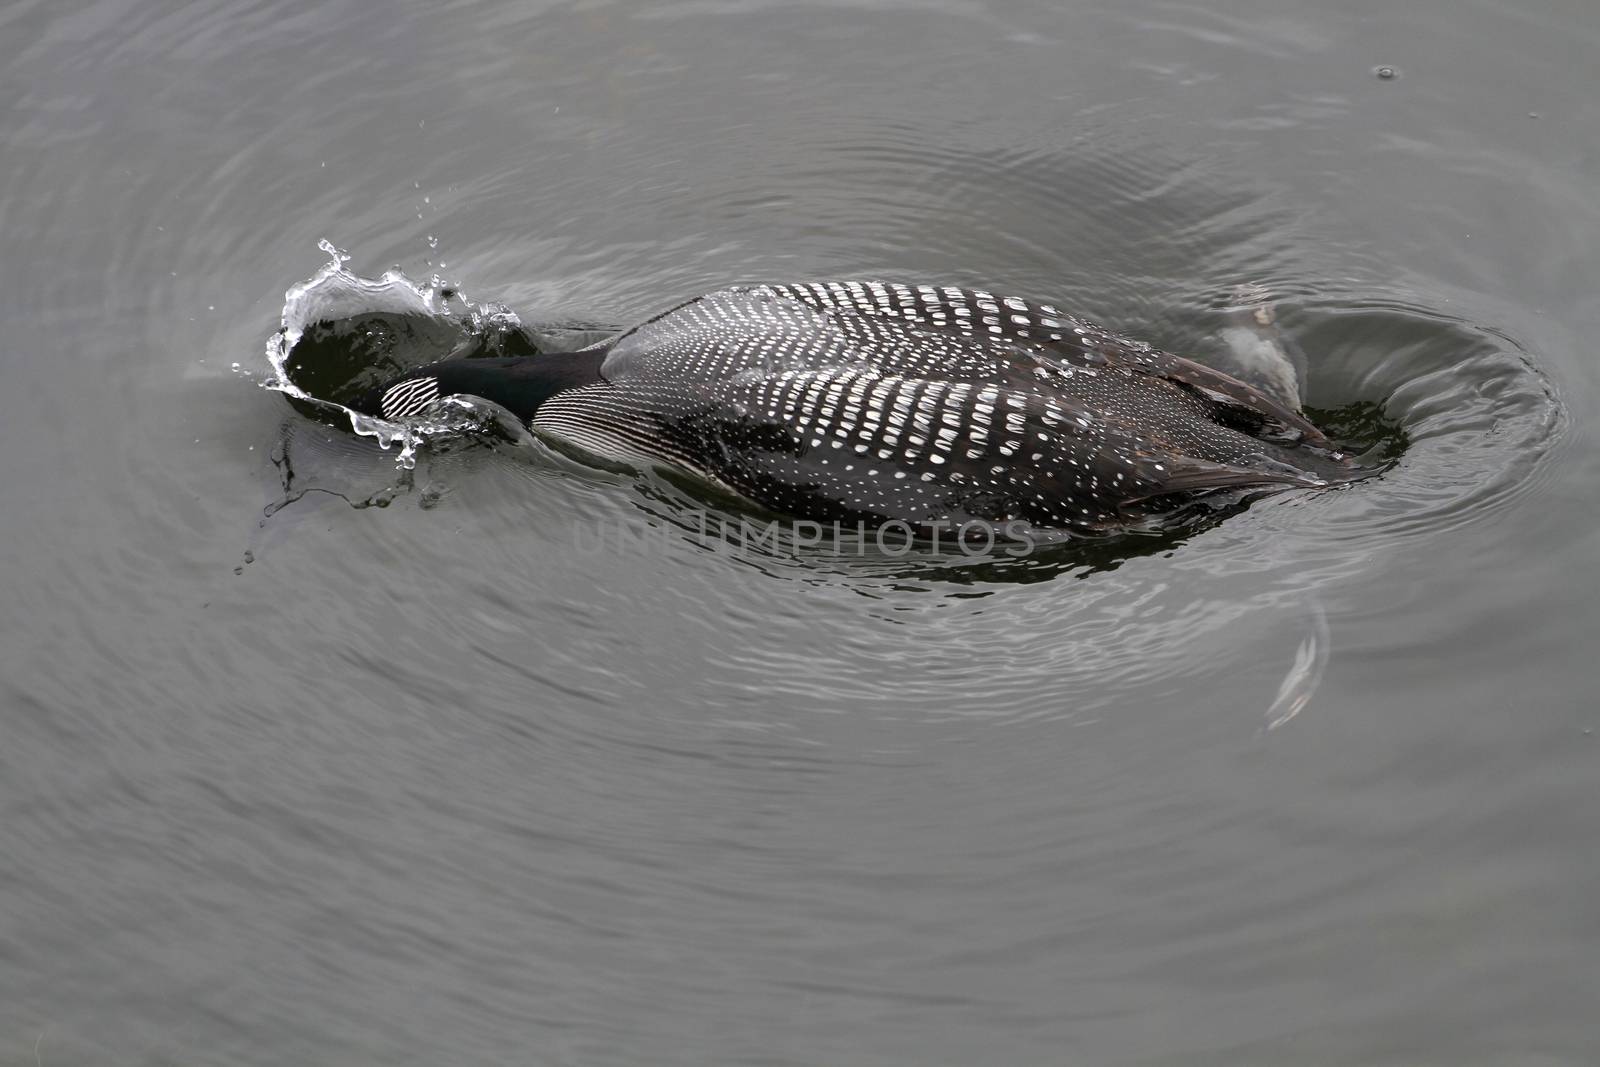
556	372
528	381
517	383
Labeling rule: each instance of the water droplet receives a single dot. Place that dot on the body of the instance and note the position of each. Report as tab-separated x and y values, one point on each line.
339	255
433	242
1386	73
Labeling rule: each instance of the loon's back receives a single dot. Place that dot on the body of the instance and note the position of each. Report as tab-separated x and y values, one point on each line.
874	402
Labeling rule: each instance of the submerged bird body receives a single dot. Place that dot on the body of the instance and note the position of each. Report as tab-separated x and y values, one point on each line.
935	406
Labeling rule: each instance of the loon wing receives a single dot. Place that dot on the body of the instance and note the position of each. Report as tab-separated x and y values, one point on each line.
938	331
1032	335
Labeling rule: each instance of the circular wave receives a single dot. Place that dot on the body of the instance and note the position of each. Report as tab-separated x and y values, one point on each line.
1478	415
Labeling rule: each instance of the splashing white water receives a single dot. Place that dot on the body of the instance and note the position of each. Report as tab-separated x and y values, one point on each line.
335	293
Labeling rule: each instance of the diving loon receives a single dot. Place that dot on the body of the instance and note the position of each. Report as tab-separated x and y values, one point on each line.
869	402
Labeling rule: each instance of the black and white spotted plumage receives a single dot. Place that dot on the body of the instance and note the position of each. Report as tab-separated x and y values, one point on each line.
870	402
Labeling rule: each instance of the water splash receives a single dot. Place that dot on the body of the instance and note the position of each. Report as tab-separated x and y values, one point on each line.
335	294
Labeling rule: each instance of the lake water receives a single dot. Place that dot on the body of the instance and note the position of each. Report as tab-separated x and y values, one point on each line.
520	768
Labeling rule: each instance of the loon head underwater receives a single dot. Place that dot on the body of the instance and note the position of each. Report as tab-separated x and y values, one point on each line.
862	403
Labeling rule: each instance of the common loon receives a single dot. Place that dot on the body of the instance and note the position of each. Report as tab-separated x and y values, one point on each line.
868	402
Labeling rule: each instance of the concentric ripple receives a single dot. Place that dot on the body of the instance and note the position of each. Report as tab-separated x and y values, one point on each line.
1479	413
1460	414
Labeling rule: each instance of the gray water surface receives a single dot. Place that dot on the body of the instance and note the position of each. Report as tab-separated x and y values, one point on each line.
521	769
